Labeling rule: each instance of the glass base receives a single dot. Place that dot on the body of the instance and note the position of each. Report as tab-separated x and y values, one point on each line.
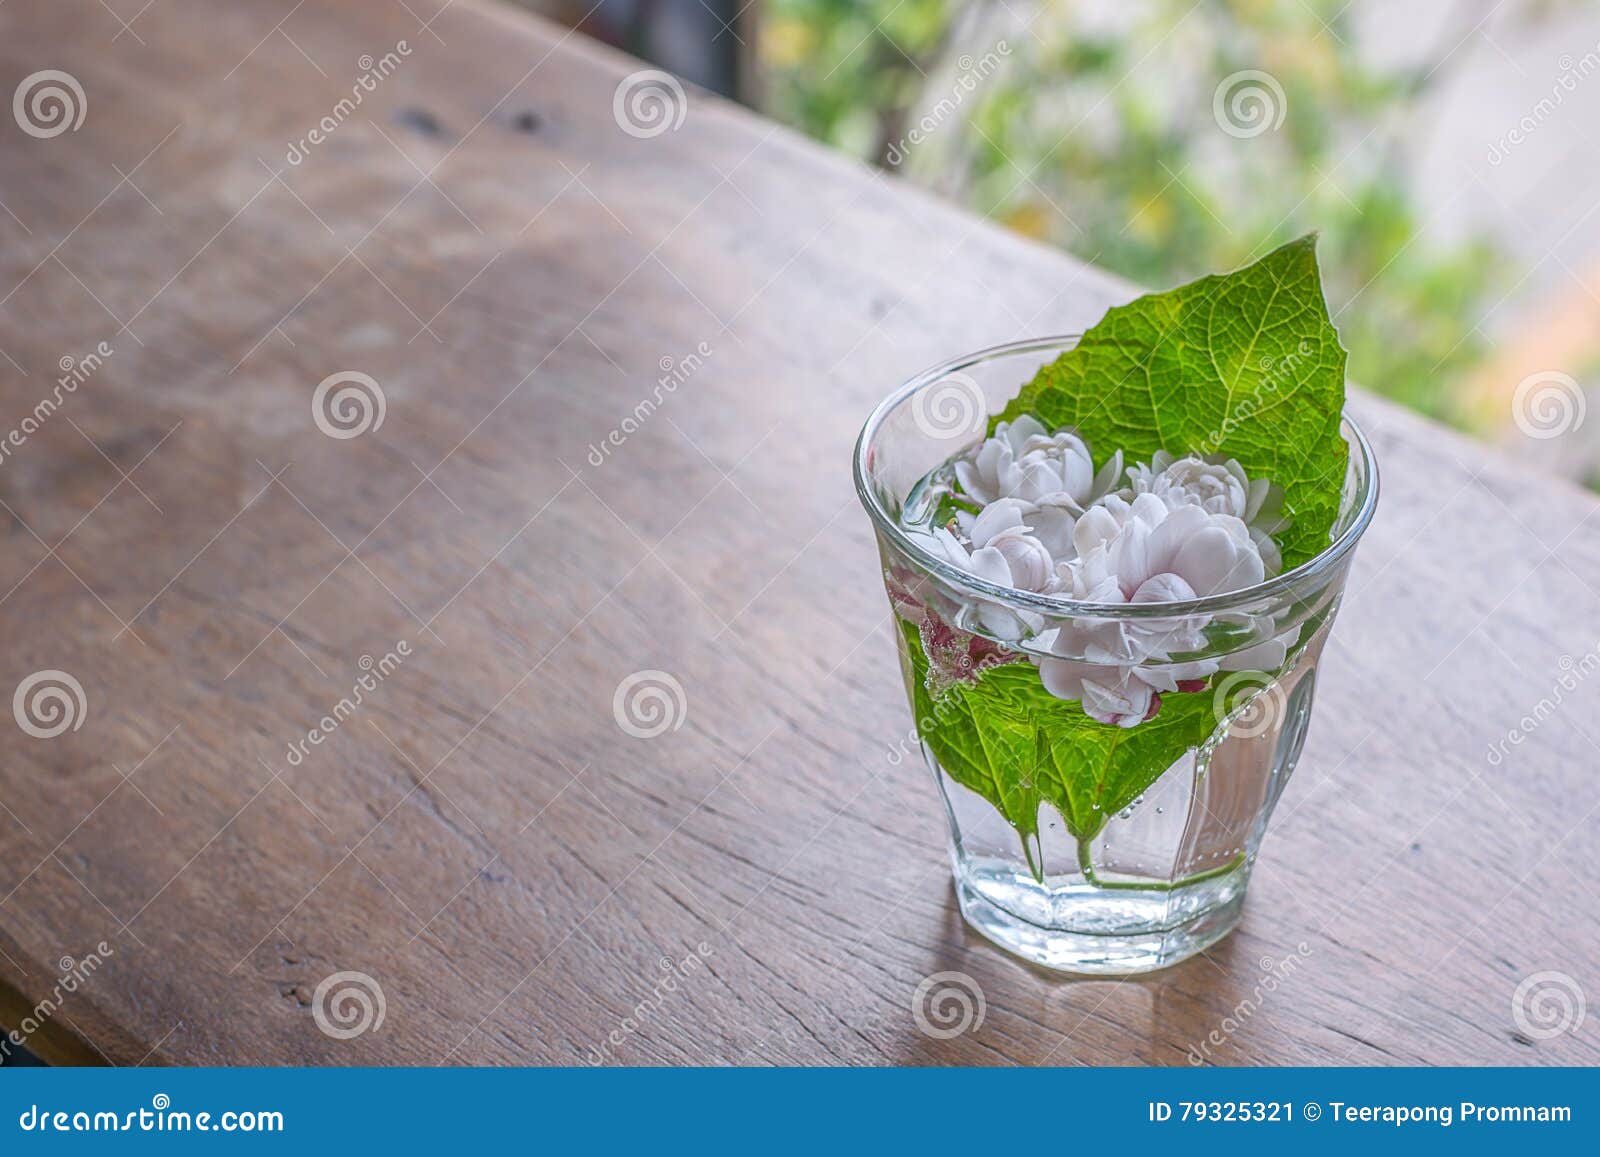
1078	927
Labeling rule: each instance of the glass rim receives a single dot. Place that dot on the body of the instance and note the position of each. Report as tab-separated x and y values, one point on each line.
1319	564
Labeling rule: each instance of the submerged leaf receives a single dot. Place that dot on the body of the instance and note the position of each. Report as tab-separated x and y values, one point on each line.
1008	739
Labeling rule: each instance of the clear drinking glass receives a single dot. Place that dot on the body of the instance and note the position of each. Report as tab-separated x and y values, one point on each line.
1157	877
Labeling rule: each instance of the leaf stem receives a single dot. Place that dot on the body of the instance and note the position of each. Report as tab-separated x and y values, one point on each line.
1086	866
1036	866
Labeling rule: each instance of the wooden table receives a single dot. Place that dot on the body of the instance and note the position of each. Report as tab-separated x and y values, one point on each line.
517	874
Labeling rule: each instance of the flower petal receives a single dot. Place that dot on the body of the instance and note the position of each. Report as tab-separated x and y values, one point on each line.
1163	588
1063	678
1125	703
1026	556
995	517
972	483
1053	522
1097	528
1020	430
1213	562
990	565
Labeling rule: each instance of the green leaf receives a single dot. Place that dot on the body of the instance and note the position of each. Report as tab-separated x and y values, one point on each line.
1246	364
1093	770
983	742
1008	739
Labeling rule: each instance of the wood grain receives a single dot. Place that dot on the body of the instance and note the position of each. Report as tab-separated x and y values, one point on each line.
480	836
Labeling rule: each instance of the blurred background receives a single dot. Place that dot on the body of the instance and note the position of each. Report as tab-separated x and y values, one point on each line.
1447	150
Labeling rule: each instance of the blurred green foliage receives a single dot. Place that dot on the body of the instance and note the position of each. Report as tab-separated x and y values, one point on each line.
1103	130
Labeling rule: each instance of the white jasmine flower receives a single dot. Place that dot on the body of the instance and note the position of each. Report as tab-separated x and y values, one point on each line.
991	472
1143	552
1027	560
1008	558
1000	527
1050	522
1109	694
1049	478
1124	696
1021	460
1187	547
1220	486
